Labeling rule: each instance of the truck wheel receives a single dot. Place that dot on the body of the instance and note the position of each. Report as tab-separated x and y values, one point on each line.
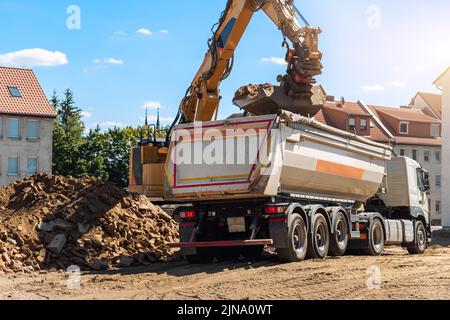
319	239
376	239
202	257
339	238
420	239
297	241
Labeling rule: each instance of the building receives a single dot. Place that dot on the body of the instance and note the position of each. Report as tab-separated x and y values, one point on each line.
412	132
26	125
417	135
443	83
430	103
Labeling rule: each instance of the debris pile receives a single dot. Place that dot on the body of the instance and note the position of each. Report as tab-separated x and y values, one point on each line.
52	222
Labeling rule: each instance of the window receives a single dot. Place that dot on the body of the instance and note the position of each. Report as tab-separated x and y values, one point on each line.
32	166
13	128
414	154
15	92
402	152
438	156
438	181
363	124
426	156
438	206
435	130
13	166
32	129
352	123
404	127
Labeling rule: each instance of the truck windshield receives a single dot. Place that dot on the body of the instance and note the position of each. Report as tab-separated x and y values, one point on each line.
421	183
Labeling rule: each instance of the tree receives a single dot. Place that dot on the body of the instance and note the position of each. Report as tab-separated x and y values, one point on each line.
68	137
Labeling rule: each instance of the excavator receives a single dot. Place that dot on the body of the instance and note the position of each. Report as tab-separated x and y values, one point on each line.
202	98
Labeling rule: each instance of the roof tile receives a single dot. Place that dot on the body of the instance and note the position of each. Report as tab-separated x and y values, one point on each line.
33	100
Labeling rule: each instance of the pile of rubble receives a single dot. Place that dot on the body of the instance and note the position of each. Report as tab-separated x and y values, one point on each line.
52	222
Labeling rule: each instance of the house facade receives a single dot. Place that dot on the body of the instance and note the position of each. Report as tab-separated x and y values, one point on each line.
443	83
26	126
411	132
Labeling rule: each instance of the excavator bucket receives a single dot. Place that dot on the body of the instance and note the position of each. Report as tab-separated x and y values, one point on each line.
269	99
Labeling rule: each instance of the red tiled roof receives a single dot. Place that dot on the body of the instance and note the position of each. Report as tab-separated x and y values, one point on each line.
407	114
419	141
33	100
349	108
433	100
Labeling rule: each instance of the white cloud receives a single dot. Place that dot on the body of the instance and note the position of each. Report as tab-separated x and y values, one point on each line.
275	60
34	57
108	124
373	88
152	105
153	119
145	32
97	61
113	61
419	68
398	68
397	84
165	31
86	114
119	33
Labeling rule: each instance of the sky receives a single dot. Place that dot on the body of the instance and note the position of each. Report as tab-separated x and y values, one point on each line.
121	57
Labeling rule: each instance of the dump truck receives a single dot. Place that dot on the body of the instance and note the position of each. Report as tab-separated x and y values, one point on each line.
290	182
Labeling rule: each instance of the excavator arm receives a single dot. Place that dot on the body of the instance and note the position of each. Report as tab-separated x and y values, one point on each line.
304	58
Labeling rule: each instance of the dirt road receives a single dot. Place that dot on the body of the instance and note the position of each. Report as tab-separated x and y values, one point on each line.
402	277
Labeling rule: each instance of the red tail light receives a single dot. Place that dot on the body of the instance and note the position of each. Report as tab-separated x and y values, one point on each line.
188	215
275	210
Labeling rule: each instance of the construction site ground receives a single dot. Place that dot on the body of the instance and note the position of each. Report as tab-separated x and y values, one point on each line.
402	276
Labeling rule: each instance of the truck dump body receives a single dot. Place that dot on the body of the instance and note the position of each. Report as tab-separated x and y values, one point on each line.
264	156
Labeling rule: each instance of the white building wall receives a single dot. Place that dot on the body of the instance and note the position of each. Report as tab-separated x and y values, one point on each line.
433	166
25	148
445	85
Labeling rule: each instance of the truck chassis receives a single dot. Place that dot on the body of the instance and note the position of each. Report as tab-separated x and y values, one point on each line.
298	226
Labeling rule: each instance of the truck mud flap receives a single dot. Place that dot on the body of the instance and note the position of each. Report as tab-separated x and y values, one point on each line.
278	231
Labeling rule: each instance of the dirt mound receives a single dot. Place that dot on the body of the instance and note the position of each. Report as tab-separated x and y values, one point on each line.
48	221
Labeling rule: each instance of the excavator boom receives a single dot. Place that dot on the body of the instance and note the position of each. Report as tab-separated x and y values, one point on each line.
203	96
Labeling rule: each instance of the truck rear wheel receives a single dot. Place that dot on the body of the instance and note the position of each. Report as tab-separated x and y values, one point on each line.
297	241
339	238
376	239
420	239
319	239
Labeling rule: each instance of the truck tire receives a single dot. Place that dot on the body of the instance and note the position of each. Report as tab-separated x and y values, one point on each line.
420	239
319	239
339	237
297	241
376	239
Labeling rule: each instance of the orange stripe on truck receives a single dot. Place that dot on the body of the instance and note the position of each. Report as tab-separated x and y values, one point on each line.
337	169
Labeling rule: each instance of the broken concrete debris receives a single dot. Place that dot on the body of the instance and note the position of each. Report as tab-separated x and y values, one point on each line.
52	222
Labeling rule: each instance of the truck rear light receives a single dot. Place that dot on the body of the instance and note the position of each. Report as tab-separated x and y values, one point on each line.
276	210
188	215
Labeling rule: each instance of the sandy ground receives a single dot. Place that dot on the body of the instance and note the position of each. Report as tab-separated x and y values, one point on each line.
402	277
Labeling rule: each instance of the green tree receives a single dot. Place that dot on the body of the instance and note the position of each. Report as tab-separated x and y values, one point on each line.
68	137
93	154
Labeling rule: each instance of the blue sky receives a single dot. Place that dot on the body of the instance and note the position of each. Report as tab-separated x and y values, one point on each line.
381	52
